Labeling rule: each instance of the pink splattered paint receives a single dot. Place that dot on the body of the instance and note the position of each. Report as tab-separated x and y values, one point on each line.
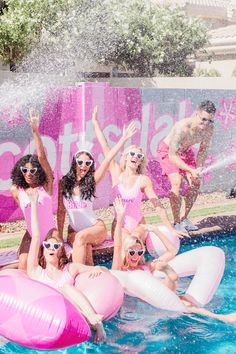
227	112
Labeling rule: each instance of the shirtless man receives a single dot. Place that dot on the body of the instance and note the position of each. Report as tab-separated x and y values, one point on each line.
177	159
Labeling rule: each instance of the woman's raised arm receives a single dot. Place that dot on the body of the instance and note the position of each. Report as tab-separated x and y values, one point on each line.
127	133
61	211
114	167
34	122
32	259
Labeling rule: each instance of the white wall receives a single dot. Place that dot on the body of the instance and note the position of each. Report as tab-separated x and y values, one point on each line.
158	82
225	67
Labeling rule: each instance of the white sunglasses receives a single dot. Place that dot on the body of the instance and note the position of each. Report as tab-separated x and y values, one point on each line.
137	252
87	163
139	155
55	246
32	171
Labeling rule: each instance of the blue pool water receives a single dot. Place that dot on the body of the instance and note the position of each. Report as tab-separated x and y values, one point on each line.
140	328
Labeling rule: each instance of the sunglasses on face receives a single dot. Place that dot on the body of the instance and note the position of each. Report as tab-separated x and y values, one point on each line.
210	121
138	252
54	246
139	155
86	163
25	170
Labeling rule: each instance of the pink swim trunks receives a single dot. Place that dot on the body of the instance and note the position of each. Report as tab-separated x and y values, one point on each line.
169	167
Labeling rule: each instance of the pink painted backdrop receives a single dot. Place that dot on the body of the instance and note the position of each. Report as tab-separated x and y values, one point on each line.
67	112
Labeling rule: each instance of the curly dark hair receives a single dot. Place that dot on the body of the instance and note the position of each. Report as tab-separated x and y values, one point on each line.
17	176
87	184
63	259
207	106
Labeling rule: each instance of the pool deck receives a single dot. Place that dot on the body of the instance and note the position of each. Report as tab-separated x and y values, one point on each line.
208	225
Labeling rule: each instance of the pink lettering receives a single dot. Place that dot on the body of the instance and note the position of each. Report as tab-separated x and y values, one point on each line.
75	204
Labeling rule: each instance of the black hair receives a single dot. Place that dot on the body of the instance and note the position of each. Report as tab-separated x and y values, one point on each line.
17	176
207	106
87	184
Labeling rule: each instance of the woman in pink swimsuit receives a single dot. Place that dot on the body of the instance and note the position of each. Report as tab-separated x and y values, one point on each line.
130	183
129	251
129	256
48	264
76	194
33	171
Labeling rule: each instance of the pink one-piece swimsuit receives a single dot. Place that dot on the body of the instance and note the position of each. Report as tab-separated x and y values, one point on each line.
132	198
45	213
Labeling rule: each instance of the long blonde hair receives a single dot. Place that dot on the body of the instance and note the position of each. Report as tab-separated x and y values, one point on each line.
127	243
142	167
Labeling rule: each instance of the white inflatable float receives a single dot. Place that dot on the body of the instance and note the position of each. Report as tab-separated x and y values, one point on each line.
206	264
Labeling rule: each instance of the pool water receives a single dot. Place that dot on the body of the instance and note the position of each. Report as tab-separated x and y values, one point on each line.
140	328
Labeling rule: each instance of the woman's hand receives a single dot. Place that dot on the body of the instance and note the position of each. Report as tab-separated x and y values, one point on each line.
179	234
129	131
149	227
33	119
119	207
97	271
154	228
102	269
95	115
159	264
195	173
32	195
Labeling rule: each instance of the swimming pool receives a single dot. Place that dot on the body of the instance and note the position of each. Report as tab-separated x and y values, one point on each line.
140	328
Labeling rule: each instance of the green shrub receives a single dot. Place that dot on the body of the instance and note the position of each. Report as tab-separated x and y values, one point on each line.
200	72
234	72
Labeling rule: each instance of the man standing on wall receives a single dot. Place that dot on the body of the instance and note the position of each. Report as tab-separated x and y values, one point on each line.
177	159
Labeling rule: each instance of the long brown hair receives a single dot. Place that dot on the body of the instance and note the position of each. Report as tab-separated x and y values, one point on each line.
87	184
62	257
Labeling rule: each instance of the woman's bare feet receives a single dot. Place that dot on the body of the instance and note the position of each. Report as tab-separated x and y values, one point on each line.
229	318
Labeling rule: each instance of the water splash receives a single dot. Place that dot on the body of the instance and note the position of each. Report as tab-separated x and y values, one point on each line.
221	162
24	91
83	145
83	36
